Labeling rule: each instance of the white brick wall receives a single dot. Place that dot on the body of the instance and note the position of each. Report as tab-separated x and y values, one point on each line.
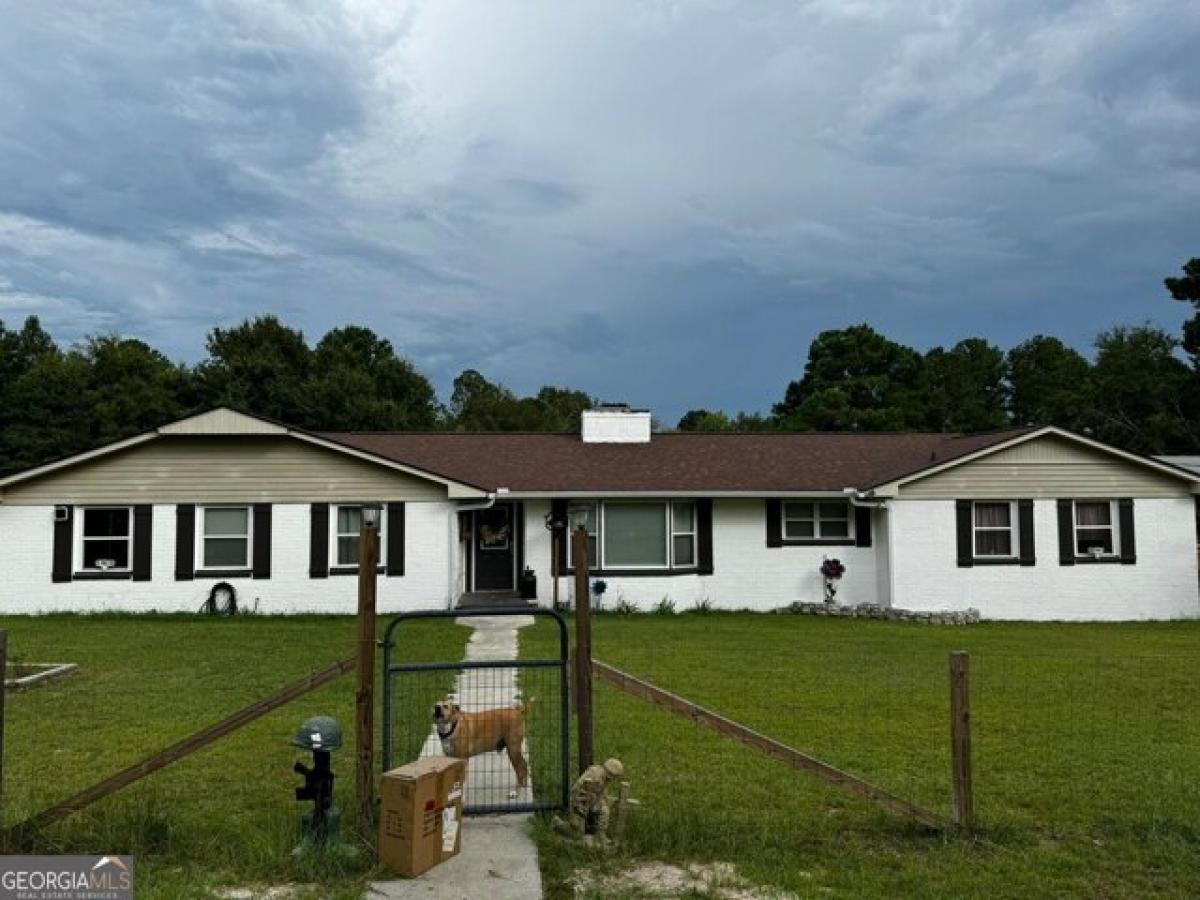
1163	583
747	573
917	535
26	544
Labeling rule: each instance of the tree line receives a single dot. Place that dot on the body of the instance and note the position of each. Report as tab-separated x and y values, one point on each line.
1140	392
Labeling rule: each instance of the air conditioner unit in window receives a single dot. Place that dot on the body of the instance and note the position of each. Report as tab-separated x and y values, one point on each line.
1096	552
61	513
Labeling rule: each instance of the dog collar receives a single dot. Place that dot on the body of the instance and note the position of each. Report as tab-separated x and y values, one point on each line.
449	733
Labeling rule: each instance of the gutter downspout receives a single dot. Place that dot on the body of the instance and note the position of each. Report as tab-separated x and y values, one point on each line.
453	542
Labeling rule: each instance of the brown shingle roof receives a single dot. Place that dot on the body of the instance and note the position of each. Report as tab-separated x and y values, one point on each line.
675	461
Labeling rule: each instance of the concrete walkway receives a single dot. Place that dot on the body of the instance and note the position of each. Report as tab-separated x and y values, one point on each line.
498	860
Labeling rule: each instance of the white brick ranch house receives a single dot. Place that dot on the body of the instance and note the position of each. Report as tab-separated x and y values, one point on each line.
1028	523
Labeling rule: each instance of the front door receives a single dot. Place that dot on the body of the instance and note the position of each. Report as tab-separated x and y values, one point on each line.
495	553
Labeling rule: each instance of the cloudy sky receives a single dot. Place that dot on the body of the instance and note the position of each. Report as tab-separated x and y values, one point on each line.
660	202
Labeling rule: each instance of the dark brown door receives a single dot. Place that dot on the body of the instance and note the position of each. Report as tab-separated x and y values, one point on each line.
494	549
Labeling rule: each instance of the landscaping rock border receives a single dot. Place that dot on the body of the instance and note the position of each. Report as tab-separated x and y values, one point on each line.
887	613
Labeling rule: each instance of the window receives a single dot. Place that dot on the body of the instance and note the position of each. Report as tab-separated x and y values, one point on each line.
225	537
683	535
641	534
816	521
592	525
348	523
106	538
635	535
1096	531
994	525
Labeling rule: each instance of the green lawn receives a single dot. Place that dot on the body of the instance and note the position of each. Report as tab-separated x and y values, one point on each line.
226	815
1087	754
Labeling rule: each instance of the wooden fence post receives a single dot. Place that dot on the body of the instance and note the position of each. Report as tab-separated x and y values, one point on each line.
583	646
364	720
960	739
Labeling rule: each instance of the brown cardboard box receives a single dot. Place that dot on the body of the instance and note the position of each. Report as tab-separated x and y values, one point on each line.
421	816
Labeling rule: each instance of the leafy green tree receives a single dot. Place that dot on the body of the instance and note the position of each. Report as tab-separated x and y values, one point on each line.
20	349
1187	290
1048	383
1145	397
46	413
131	387
357	382
963	387
705	420
855	380
562	408
260	366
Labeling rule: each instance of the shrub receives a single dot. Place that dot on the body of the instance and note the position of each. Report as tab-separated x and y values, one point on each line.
665	607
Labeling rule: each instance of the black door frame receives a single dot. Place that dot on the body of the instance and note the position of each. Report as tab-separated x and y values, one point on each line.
516	519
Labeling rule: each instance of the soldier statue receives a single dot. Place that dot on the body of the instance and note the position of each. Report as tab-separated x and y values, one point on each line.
590	805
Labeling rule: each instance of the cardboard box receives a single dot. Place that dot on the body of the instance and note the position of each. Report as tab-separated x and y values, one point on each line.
421	815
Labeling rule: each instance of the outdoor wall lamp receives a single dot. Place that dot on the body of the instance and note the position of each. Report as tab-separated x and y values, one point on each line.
371	513
579	513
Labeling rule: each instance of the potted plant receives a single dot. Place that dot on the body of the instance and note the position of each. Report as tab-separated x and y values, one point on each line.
832	571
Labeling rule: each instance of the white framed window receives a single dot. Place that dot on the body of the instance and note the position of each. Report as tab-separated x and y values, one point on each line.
635	534
104	538
683	535
225	537
592	525
994	529
817	520
344	535
640	534
1097	529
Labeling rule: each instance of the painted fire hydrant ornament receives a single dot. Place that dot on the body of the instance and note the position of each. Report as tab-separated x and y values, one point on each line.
593	814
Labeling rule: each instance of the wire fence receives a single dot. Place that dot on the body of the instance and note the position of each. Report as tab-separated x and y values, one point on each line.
506	717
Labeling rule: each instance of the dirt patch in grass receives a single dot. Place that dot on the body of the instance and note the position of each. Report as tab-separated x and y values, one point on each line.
715	881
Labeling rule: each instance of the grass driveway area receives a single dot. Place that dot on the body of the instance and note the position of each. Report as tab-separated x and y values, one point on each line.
1087	755
225	815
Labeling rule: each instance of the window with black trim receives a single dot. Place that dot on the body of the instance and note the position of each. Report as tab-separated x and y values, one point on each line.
817	520
650	535
1097	529
105	538
994	529
344	536
224	537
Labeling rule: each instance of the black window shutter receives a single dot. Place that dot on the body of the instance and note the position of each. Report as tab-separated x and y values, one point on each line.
1025	532
1128	538
143	538
185	542
318	546
774	523
862	526
64	537
704	539
395	538
1066	533
261	566
558	512
962	531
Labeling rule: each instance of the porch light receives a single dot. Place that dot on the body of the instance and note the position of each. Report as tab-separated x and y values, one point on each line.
370	514
578	513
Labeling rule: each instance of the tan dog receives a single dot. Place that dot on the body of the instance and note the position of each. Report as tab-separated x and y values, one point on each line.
467	734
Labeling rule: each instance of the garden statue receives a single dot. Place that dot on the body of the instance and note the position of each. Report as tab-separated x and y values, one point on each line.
591	812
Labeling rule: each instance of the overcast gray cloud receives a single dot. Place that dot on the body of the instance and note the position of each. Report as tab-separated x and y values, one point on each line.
659	202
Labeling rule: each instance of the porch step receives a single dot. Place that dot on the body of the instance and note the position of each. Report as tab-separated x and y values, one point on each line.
491	599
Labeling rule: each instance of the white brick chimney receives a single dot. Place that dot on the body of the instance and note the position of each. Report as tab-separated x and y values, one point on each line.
616	423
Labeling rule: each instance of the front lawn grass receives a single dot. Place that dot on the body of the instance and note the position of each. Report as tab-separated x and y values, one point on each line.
1087	755
225	815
